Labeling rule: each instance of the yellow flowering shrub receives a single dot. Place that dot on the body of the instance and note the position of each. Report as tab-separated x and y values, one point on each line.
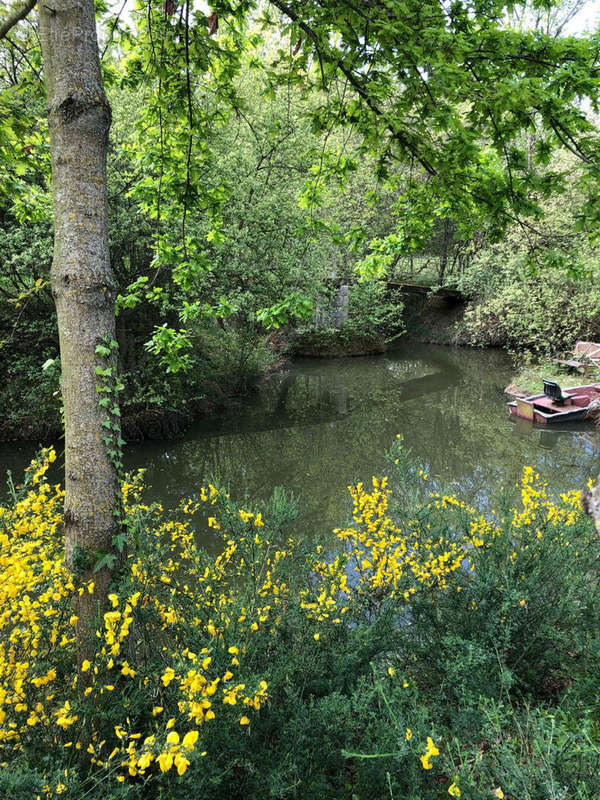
414	611
137	705
34	619
381	560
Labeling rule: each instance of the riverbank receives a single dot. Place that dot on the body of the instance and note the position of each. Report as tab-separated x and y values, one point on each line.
437	320
434	320
528	379
332	343
146	413
431	319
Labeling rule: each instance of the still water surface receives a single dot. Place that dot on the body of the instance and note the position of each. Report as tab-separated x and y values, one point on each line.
322	424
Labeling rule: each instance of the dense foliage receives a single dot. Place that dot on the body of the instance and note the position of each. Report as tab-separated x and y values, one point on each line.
260	149
265	156
536	290
425	650
191	333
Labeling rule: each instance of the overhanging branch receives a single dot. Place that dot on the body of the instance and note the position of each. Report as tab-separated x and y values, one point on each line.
20	11
354	81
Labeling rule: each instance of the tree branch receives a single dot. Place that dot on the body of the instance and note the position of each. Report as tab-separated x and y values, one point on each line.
24	55
354	81
19	13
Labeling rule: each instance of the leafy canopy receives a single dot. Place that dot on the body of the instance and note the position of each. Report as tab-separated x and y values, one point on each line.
461	109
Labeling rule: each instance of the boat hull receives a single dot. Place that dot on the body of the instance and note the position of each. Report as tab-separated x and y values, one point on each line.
543	410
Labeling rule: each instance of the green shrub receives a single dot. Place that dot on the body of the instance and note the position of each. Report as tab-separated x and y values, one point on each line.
544	315
374	316
425	651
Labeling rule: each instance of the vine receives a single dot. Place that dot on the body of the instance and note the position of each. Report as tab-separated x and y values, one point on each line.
108	388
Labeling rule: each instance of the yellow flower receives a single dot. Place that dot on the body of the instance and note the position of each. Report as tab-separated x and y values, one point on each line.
156	710
316	637
168	676
453	790
391	672
244	721
144	760
165	761
173	738
408	734
430	751
181	763
134	599
499	793
85	665
190	739
127	670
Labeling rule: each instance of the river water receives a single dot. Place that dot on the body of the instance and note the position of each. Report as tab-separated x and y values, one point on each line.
322	424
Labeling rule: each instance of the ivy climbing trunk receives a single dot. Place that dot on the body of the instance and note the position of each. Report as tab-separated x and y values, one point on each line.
83	286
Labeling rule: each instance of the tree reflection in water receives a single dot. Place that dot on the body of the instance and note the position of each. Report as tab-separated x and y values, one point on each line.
322	424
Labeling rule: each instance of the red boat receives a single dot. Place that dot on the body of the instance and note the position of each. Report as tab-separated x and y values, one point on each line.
554	405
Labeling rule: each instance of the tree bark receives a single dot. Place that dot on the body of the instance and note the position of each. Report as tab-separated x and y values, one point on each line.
590	501
82	283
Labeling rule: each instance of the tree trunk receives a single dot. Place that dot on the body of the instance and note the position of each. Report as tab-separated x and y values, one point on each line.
82	283
590	500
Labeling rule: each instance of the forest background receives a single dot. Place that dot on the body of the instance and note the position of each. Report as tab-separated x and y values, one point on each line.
223	244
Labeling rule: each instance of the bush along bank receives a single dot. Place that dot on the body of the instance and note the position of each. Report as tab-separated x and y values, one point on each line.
425	651
160	398
543	317
335	343
164	390
372	318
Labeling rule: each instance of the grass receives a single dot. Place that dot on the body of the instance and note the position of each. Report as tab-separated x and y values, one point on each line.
529	378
